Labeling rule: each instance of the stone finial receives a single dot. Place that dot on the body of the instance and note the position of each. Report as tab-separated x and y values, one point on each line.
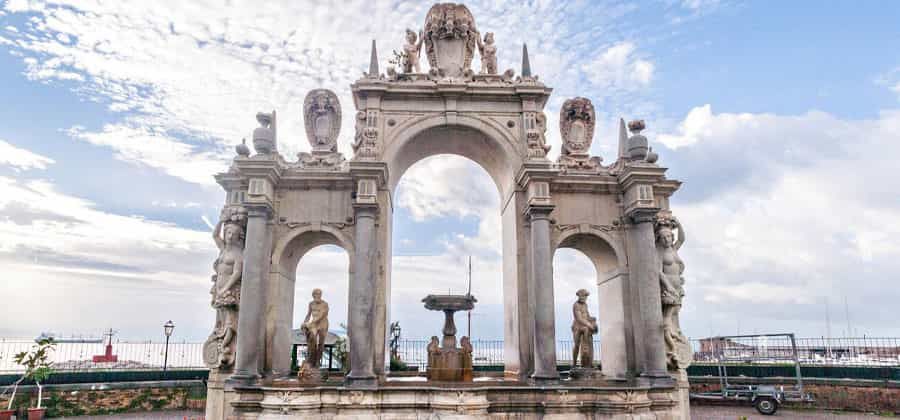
526	64
242	149
638	146
623	138
636	126
264	135
373	62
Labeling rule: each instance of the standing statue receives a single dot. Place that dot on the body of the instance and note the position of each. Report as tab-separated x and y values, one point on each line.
488	52
411	51
226	291
315	327
678	349
584	326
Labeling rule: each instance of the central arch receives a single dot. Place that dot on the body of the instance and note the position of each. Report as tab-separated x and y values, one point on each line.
494	148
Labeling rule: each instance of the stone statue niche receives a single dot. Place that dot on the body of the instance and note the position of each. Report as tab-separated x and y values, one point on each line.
446	362
315	328
584	326
219	349
322	117
450	39
678	349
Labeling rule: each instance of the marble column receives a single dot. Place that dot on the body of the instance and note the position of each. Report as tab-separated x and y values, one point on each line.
362	297
542	284
251	317
644	268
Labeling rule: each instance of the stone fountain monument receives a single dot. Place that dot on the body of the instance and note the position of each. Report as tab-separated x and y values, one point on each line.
616	213
448	362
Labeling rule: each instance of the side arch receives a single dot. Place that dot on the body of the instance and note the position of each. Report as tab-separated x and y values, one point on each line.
606	251
289	249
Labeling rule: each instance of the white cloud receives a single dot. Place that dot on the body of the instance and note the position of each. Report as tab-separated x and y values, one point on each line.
90	268
21	159
620	68
786	211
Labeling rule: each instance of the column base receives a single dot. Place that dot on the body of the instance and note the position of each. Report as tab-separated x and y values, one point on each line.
241	379
361	381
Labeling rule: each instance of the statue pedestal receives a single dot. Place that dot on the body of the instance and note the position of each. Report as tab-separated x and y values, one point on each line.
452	365
584	374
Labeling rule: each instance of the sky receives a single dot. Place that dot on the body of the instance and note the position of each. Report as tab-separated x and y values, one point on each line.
781	118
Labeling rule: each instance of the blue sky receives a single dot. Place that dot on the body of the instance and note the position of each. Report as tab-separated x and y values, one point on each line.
782	119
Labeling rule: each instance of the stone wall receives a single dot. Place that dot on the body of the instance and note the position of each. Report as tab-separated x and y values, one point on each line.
111	398
832	394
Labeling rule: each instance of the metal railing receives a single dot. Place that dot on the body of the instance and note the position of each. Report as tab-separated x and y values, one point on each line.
147	355
131	355
855	351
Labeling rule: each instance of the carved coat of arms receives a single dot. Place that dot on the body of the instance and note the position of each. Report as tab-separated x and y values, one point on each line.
322	116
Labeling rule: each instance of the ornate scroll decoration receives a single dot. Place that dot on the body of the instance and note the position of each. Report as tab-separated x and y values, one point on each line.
365	143
322	117
450	39
576	127
535	135
218	351
671	281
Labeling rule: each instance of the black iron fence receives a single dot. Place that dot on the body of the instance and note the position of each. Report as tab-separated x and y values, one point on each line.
147	355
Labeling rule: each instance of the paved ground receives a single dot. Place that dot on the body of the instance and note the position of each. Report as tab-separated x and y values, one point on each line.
157	415
697	413
733	413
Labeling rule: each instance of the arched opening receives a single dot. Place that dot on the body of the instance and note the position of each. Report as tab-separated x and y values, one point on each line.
603	252
446	209
572	271
492	148
325	254
324	267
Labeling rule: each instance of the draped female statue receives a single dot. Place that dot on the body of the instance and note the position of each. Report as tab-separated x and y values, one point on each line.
678	350
226	291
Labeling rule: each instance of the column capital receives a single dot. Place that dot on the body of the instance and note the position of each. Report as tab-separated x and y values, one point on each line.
539	211
642	215
262	210
365	209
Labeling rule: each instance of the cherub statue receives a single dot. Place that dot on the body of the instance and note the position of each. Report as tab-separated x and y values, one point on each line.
411	51
583	328
488	52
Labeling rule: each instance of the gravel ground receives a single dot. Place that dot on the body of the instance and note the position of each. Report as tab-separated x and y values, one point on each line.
733	413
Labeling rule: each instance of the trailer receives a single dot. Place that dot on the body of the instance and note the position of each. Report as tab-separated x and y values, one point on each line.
765	398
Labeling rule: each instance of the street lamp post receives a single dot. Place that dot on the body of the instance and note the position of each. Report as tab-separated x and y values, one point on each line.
167	328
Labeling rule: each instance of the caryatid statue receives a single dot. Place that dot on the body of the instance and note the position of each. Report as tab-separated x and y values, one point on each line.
671	281
584	326
411	52
315	327
218	352
488	52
